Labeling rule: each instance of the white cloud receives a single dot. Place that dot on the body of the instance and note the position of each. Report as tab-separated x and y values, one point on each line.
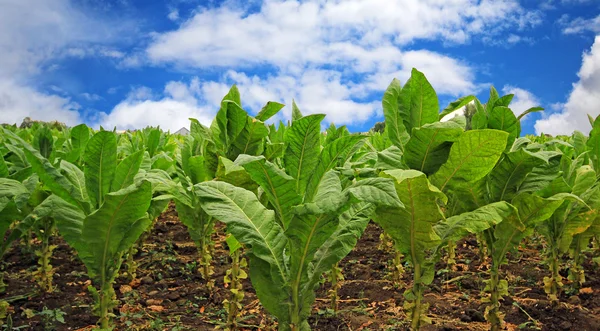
522	99
18	102
314	31
91	96
172	111
584	99
332	55
173	15
35	32
579	24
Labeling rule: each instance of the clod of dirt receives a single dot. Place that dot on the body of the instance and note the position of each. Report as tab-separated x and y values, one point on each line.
475	315
574	300
147	280
173	296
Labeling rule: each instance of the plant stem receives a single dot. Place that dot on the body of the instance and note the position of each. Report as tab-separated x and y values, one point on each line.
418	291
493	313
232	310
451	262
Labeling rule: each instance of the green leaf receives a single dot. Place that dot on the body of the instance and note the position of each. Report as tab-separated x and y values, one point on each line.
303	148
457	227
471	158
126	171
269	110
296	114
153	141
377	191
230	120
43	141
250	140
394	126
109	231
512	170
53	179
352	224
100	159
429	146
455	105
529	111
334	154
411	227
279	187
504	101
3	167
390	158
77	178
532	210
254	226
503	118
418	102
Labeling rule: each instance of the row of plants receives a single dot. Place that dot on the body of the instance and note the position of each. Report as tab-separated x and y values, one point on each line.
295	200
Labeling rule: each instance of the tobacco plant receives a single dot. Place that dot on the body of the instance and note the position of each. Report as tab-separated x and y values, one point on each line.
100	211
291	243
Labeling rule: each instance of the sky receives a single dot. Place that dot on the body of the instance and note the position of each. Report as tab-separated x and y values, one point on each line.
133	63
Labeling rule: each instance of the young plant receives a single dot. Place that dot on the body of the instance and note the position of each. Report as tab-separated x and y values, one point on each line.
100	211
291	245
233	278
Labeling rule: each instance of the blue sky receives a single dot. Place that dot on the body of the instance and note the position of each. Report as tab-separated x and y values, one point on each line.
129	63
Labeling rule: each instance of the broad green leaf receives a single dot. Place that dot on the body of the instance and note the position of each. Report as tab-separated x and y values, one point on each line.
269	110
254	226
100	159
53	179
502	118
390	158
112	228
511	171
457	227
411	227
471	158
198	169
234	174
126	171
303	148
378	191
419	102
153	141
532	210
429	146
352	223
43	141
394	125
504	101
250	140
279	187
334	154
455	105
76	177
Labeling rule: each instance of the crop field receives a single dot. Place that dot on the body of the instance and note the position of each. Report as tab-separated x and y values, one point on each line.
432	220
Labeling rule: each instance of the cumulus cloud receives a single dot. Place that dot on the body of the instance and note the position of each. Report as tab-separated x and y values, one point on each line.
332	55
34	32
522	99
18	102
584	99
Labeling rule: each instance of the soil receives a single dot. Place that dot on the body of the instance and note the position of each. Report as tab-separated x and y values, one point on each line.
169	294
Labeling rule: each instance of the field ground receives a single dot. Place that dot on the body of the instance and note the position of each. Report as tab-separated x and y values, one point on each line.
170	294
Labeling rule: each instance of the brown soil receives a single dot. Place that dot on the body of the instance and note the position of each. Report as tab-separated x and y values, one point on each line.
171	295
